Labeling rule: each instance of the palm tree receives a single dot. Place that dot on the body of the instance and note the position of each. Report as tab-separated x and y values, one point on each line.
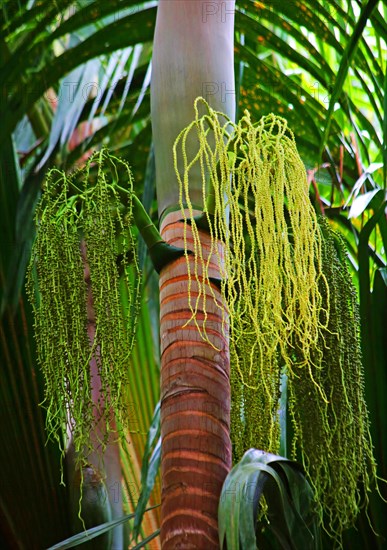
195	386
315	63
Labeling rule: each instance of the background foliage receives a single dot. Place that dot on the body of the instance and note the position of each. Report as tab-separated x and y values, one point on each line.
74	75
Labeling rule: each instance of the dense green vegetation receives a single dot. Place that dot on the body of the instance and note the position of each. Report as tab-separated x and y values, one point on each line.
74	77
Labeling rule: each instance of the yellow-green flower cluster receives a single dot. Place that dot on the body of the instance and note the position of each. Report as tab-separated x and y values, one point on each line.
288	300
84	223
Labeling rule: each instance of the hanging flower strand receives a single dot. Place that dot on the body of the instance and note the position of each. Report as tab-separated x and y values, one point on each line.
289	301
85	219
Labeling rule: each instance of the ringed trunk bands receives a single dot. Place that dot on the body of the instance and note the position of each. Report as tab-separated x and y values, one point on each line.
195	404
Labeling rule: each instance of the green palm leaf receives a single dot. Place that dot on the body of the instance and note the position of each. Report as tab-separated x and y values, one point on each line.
289	505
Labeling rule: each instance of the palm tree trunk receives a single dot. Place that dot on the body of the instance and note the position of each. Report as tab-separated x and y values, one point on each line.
195	406
101	490
193	56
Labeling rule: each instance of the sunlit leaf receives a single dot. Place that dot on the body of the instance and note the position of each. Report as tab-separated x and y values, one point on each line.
360	203
289	500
